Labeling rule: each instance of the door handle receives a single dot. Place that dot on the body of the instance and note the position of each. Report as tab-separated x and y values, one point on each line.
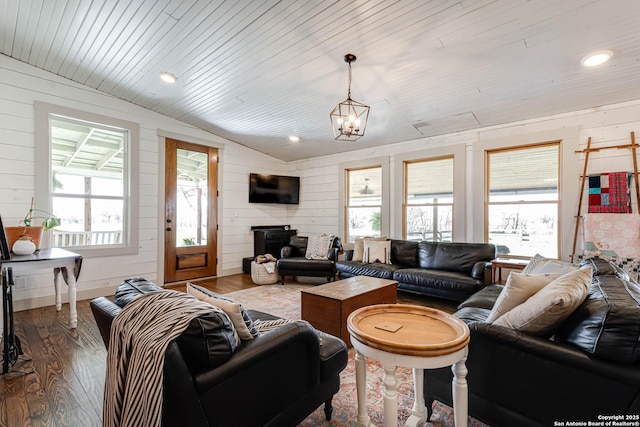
169	228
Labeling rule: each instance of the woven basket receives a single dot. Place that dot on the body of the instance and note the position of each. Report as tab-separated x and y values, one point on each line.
260	276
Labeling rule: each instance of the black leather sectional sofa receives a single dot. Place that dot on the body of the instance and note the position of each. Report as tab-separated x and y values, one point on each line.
453	271
589	368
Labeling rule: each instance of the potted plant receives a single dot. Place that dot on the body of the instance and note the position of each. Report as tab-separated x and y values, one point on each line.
26	227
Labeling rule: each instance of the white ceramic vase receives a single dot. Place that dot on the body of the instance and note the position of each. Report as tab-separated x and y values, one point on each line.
24	246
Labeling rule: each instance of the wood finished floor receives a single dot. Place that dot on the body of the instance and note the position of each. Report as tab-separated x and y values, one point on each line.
67	366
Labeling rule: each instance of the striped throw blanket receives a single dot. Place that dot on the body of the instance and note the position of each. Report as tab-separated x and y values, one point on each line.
140	334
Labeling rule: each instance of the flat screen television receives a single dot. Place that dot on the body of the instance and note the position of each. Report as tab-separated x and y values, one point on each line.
274	189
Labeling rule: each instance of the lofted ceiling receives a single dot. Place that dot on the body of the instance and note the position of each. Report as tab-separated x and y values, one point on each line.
258	71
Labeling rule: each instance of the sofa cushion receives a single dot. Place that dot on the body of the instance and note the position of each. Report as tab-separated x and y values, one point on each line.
404	253
485	298
472	314
518	289
606	325
460	257
241	320
545	311
377	252
355	268
444	280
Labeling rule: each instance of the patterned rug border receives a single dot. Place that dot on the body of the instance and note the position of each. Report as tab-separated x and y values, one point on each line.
284	301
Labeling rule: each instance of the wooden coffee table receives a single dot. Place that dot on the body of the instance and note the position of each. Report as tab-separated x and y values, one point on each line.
327	307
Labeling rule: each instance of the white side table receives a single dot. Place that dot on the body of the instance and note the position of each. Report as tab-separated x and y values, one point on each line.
65	266
415	337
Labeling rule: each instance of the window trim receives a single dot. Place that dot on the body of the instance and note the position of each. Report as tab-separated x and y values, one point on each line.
458	151
569	184
385	219
43	113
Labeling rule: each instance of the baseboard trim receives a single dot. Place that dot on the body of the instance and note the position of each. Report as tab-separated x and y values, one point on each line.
48	300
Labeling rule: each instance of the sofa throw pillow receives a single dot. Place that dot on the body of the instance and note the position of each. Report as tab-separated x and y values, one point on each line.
533	262
318	247
358	247
376	251
239	317
545	311
519	288
541	265
209	340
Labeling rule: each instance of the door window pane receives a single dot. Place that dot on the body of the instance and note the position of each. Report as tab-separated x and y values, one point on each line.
191	198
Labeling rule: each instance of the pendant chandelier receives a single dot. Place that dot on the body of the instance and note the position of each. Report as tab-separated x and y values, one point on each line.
349	118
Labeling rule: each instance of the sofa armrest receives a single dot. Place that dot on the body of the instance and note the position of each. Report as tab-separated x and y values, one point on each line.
104	310
482	271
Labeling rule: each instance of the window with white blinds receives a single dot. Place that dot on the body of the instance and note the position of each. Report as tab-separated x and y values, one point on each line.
428	199
522	199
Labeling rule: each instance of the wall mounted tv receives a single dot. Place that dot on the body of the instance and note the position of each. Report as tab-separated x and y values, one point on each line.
274	189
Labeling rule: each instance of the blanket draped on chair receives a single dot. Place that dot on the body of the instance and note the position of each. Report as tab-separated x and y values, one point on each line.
140	334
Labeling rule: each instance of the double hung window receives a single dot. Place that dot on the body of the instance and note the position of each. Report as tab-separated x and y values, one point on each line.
428	199
522	199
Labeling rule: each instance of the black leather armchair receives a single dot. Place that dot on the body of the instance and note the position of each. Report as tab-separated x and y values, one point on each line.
292	260
282	376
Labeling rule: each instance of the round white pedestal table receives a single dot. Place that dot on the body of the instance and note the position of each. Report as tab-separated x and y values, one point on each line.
415	337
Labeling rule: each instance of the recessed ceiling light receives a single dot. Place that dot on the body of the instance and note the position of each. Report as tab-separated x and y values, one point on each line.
294	138
168	77
596	58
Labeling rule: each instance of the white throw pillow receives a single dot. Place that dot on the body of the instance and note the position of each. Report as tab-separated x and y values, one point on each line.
358	247
318	247
541	265
545	311
376	251
533	262
519	288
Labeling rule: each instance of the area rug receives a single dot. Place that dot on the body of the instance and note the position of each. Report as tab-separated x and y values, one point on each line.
284	301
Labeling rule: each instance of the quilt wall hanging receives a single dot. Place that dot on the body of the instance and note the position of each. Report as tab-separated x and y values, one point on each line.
610	193
615	238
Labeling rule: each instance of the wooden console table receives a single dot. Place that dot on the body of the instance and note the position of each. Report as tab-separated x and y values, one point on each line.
510	263
416	337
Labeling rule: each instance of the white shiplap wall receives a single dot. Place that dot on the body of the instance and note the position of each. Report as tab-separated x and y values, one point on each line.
21	85
607	125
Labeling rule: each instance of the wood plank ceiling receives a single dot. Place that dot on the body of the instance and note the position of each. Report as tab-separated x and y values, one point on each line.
257	71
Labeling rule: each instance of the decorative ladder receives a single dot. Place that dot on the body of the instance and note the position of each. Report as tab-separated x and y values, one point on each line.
588	150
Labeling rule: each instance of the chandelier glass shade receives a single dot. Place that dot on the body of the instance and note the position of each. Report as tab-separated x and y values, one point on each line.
349	118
